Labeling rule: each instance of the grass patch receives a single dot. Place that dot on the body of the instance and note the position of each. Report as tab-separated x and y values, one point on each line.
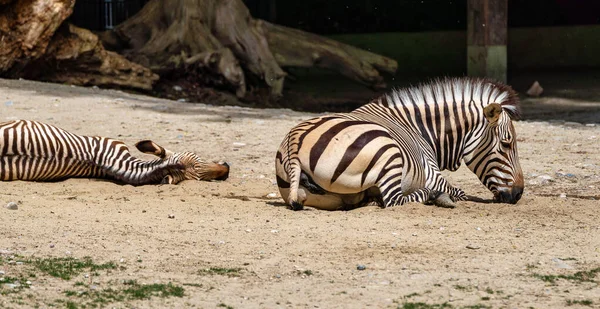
462	287
222	305
585	302
196	285
231	272
71	305
145	291
424	306
580	276
411	295
478	306
19	284
132	290
66	268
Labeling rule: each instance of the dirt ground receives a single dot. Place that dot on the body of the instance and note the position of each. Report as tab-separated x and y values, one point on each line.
479	255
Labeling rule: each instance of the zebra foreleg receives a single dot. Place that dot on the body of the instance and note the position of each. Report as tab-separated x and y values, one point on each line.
425	196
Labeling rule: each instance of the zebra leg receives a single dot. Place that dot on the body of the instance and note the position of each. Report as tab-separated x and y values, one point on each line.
425	196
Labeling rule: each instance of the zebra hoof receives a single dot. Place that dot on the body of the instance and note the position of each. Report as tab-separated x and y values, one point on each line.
444	200
296	206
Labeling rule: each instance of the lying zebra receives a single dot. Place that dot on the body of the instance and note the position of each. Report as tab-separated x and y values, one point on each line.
391	151
35	151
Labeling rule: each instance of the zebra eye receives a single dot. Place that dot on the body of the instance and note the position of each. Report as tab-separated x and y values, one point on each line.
505	143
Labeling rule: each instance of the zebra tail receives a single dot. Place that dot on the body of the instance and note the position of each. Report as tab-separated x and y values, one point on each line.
294	172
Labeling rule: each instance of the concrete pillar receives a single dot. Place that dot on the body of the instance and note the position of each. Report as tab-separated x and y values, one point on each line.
486	38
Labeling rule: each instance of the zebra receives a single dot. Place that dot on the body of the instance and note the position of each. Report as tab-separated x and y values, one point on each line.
391	150
36	151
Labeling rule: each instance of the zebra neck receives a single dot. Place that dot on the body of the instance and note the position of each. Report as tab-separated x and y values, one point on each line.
139	172
445	130
114	159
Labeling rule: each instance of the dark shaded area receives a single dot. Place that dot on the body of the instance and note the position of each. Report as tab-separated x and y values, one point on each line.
364	16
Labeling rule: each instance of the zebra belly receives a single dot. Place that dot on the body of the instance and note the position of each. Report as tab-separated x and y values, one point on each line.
45	169
349	160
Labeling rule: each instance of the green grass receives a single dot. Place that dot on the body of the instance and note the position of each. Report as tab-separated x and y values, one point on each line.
66	268
424	306
585	302
224	306
307	272
462	287
580	276
131	290
409	305
231	272
411	295
145	291
196	285
71	305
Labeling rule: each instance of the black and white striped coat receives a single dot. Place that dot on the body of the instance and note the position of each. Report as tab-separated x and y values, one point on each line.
392	150
35	151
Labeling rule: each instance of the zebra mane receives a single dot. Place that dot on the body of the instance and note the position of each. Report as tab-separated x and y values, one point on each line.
469	87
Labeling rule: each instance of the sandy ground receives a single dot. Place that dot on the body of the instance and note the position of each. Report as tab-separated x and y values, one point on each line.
479	254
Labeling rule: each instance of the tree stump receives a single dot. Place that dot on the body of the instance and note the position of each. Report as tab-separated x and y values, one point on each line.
216	40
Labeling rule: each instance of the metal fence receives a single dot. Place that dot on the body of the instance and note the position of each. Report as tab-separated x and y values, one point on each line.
101	15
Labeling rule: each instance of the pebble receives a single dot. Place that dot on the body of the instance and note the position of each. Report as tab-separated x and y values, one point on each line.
563	195
181	100
561	264
51	245
177	88
237	144
11	285
274	231
272	195
541	180
171	216
12	206
361	267
471	246
590	124
2	272
561	174
572	124
8	103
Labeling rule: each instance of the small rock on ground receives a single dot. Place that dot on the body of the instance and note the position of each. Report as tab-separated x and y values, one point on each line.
12	206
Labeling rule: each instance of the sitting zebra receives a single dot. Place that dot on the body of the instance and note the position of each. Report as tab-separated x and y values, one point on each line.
35	151
391	150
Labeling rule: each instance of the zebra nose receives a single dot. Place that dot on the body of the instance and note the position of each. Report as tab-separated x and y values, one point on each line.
517	193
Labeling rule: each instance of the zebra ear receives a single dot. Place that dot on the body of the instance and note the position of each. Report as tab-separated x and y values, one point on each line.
492	112
148	146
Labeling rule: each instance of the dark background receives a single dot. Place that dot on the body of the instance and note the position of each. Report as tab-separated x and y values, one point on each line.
364	16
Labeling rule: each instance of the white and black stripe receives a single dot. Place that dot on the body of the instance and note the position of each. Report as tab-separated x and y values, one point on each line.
392	150
35	151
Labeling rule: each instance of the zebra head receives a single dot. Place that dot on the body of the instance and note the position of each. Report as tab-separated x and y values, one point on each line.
495	159
188	165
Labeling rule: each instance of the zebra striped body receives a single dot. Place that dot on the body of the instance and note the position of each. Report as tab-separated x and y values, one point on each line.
392	150
35	151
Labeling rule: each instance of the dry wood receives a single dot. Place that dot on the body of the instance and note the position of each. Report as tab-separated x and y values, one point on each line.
76	56
295	48
26	28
